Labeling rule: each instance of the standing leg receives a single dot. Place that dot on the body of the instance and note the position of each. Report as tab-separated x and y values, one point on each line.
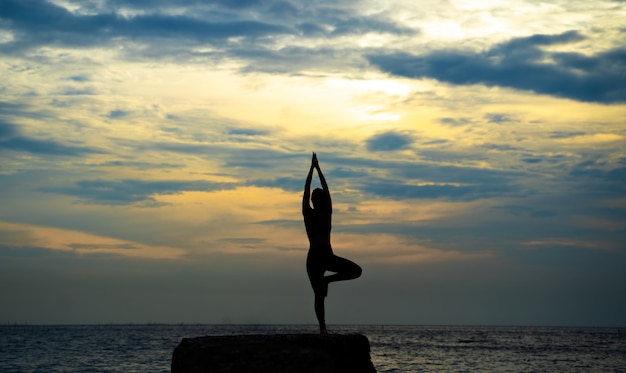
320	288
315	270
320	313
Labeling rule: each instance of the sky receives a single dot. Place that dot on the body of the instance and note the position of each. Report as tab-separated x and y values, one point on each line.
153	157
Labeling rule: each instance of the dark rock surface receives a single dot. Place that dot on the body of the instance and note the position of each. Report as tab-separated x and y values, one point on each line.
303	353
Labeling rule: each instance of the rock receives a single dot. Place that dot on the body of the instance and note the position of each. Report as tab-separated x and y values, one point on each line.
302	353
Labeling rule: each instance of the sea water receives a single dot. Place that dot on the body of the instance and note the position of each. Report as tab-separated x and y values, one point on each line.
149	348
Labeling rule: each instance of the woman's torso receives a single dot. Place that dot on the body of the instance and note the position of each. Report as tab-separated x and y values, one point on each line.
318	226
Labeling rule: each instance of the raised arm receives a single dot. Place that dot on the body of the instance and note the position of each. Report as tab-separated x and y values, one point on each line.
306	197
322	181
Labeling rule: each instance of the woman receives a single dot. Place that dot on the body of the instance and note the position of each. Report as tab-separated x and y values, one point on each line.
320	258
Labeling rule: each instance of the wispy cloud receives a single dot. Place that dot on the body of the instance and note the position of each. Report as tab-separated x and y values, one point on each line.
131	191
26	236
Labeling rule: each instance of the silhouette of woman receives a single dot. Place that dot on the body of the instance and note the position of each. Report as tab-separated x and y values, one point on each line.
320	258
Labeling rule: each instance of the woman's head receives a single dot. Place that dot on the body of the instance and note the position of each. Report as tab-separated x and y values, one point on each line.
319	198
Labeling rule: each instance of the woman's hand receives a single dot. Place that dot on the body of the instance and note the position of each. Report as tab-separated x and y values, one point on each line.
314	162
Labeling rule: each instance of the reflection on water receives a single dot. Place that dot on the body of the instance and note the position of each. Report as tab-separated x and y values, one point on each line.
148	348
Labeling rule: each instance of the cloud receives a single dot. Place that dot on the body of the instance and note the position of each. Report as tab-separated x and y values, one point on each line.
117	114
12	140
72	91
186	27
129	191
295	58
165	4
455	121
233	157
37	23
286	183
44	147
80	78
7	130
137	165
565	135
601	178
249	32
500	147
389	141
66	240
247	132
347	24
521	64
401	191
455	174
497	118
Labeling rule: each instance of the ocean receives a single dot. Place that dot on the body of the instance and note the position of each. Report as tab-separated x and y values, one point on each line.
149	348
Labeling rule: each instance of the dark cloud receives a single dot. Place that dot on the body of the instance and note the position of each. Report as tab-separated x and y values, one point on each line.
240	160
455	121
37	23
348	173
401	191
286	183
11	112
444	174
361	25
174	27
436	142
599	179
497	118
500	147
186	148
565	135
525	210
7	130
295	58
522	64
247	132
72	91
128	191
532	160
389	141
162	32
198	31
12	140
151	4
137	165
117	114
80	78
44	147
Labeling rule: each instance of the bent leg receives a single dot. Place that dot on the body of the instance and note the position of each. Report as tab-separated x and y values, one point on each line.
345	269
316	266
